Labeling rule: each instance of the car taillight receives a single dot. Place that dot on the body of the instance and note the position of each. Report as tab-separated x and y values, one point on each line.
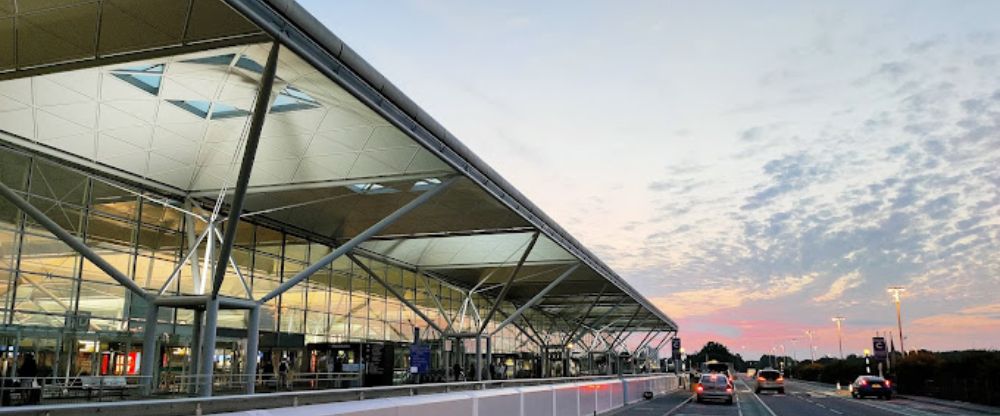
729	389
760	378
864	382
888	383
699	388
781	379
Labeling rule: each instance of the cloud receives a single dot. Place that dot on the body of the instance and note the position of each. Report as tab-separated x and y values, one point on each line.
839	286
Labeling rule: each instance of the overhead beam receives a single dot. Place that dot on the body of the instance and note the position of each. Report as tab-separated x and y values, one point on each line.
538	297
358	239
260	108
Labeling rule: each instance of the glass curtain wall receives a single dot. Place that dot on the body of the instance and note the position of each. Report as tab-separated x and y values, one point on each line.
143	234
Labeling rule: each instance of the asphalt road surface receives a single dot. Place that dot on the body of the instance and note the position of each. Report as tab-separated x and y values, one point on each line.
800	399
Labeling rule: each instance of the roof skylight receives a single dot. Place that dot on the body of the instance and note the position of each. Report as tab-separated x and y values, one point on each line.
371	188
291	99
145	77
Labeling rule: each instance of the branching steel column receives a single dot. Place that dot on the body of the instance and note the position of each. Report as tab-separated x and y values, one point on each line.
627	324
644	339
358	239
75	243
395	293
569	338
260	108
510	281
536	298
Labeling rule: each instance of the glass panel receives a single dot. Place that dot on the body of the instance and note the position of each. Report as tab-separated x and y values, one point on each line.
159	239
102	300
114	201
233	318
120	260
107	231
269	241
65	215
296	248
14	174
58	184
292	320
155	213
40	293
47	256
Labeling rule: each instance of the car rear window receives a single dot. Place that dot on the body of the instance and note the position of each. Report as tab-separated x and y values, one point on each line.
714	379
769	375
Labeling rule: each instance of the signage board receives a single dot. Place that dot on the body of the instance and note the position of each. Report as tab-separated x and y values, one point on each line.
879	349
675	348
420	358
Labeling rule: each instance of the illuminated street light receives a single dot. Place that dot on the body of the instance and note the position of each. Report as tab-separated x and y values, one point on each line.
840	338
896	295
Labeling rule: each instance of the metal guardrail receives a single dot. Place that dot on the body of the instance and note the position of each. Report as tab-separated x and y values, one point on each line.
236	383
29	390
244	402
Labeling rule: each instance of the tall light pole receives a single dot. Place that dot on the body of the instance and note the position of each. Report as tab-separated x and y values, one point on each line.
840	337
812	353
896	295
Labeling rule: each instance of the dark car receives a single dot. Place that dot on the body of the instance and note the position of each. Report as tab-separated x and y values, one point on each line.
714	387
874	386
770	379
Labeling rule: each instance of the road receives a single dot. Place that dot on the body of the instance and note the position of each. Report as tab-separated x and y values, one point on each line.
800	399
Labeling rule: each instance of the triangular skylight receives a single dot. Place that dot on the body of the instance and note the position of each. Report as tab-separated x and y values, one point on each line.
145	77
291	99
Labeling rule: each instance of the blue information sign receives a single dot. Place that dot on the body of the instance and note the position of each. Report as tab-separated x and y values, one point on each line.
420	358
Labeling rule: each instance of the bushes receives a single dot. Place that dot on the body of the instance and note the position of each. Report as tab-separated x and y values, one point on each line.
972	376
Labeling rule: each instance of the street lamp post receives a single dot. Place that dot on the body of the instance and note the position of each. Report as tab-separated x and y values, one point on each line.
812	354
896	295
840	338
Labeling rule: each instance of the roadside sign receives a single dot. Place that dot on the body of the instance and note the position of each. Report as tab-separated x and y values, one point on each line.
676	348
880	352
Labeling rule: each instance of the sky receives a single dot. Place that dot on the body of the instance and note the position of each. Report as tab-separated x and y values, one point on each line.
753	168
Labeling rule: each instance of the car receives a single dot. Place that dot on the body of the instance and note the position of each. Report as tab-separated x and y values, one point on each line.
876	386
770	379
714	386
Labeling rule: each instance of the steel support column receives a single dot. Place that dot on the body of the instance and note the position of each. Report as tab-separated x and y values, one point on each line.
208	347
72	241
253	339
506	288
358	239
196	332
489	357
535	299
260	107
627	324
395	293
150	351
479	358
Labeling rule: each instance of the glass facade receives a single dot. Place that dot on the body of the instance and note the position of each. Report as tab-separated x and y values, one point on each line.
146	236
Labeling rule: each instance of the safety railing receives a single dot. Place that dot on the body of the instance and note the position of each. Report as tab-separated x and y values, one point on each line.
34	390
230	383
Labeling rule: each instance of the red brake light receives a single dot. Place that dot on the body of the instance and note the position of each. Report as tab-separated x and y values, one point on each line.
729	389
699	388
760	378
781	379
864	382
888	383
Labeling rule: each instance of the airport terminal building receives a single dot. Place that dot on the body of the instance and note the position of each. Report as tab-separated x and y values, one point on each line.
199	192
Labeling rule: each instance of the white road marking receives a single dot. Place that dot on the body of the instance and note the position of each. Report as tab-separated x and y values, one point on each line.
739	407
674	409
759	400
836	411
